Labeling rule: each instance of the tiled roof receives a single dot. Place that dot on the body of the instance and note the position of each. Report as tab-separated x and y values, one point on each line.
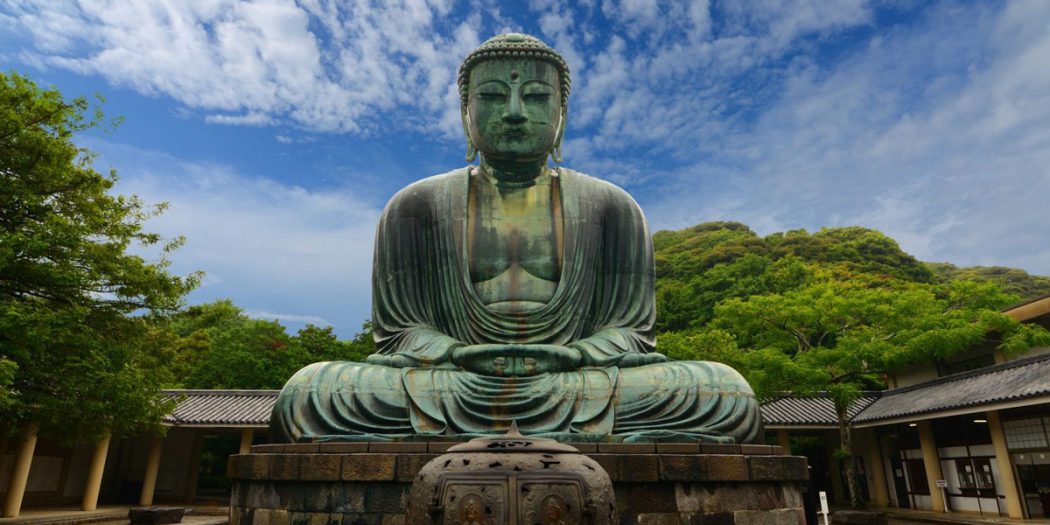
816	410
220	407
1011	381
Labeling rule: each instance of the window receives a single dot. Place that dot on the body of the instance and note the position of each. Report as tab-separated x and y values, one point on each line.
917	476
967	476
1024	433
975	473
948	368
983	466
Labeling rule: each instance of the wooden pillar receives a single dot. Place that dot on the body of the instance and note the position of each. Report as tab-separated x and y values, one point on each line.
193	471
877	474
932	462
1006	469
246	440
94	478
149	479
784	439
838	491
16	486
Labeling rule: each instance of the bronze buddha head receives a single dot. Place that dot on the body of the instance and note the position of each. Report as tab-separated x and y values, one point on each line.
514	91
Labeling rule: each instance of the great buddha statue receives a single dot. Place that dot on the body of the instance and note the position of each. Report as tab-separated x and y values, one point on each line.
511	291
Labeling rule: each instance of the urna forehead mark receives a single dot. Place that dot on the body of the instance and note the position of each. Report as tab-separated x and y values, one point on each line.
514	72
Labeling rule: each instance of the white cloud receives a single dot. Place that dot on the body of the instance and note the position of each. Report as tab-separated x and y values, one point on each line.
295	318
322	65
270	246
935	134
252	118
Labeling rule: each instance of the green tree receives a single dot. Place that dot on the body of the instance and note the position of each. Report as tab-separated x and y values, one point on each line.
1011	280
69	282
690	304
252	354
843	336
321	344
853	248
217	345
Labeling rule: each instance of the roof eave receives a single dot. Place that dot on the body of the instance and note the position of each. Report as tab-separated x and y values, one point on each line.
975	409
173	424
799	426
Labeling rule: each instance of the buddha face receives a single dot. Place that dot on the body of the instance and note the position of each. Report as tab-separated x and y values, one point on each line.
514	108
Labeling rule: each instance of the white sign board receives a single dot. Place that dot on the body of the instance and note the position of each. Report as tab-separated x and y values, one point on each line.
824	506
942	483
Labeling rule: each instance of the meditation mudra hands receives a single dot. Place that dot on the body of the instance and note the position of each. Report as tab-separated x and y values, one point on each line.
517	360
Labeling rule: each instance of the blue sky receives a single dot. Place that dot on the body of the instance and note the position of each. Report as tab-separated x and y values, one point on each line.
277	129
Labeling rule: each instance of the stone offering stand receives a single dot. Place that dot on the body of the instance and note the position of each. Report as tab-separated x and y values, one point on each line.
655	483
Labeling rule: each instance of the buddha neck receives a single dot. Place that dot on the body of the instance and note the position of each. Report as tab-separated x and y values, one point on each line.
514	173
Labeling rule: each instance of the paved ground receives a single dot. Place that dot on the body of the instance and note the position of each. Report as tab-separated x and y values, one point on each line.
187	520
110	515
914	517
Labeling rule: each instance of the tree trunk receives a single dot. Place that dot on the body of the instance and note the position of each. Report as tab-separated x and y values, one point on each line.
846	454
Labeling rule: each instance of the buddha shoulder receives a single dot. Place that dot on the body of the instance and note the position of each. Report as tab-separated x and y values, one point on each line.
601	192
420	196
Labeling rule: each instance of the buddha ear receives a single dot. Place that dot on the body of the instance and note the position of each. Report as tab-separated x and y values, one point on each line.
472	150
556	150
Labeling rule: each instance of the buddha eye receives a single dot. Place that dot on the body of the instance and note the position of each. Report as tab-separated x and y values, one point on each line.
491	97
537	97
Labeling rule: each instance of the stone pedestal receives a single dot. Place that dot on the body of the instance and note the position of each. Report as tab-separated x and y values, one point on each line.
663	483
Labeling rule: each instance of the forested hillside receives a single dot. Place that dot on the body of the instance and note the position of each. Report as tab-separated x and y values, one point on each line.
1011	280
699	266
831	309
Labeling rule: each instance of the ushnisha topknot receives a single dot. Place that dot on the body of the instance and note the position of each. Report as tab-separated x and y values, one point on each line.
514	45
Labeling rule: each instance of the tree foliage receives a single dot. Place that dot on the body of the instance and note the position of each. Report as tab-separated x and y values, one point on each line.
831	311
1013	281
71	276
217	345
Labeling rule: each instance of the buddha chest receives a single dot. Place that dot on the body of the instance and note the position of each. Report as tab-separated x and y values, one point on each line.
514	237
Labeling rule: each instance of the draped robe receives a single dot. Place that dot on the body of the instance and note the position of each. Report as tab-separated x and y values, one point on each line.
425	305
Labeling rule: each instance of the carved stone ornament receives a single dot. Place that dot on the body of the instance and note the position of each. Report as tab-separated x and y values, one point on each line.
512	480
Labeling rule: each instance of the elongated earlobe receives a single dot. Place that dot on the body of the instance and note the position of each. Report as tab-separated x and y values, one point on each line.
556	150
472	150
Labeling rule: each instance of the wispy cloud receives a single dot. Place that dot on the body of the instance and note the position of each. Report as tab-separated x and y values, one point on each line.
264	243
935	133
252	118
327	66
294	318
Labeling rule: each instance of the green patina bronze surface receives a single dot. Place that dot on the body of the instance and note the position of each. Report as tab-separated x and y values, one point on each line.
511	291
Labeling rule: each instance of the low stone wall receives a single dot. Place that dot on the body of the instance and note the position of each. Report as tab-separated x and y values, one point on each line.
368	483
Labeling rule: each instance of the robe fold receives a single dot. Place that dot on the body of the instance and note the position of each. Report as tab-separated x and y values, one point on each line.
424	304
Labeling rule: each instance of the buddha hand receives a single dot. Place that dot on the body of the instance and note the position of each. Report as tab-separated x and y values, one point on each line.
512	360
636	359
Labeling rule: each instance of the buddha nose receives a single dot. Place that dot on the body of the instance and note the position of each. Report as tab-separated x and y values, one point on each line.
513	113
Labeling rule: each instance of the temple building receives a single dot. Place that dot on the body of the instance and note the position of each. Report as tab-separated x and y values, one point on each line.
969	434
187	465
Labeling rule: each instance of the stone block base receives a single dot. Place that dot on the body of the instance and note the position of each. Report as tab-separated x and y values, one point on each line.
654	484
